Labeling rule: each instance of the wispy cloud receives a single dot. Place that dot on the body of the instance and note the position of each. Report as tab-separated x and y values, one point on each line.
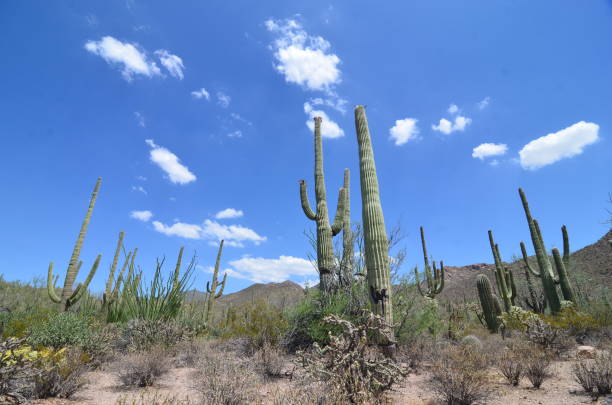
170	163
486	150
301	58
173	63
484	103
229	213
140	189
404	130
129	57
183	230
235	134
223	99
140	119
263	270
144	216
202	93
563	144
234	235
329	129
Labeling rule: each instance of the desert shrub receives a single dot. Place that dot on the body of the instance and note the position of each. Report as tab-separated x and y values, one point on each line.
188	353
518	319
594	374
60	375
352	363
573	320
152	398
471	340
141	335
143	369
61	330
510	364
225	381
270	360
414	353
16	371
307	393
460	375
547	337
537	365
417	317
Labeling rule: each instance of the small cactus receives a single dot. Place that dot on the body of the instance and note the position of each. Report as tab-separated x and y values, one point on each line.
435	283
489	303
211	288
68	297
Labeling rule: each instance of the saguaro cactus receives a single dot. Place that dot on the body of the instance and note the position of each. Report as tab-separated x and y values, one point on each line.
348	259
68	297
489	303
374	231
435	282
211	289
546	274
503	277
111	293
326	262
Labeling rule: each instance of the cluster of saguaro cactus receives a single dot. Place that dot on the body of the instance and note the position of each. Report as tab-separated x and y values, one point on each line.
111	292
211	288
546	274
435	282
68	296
503	277
326	261
491	307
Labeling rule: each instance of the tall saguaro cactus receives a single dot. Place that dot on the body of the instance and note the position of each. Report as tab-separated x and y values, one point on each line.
348	259
435	282
326	261
111	293
503	277
374	231
546	274
213	294
68	297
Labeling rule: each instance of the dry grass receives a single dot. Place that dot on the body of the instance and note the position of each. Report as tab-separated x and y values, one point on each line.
153	398
270	360
144	368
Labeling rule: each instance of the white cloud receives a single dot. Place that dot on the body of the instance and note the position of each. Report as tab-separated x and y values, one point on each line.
485	150
229	213
140	119
223	99
141	178
329	129
235	134
170	163
404	130
453	109
333	101
301	58
141	215
447	127
202	93
559	145
262	270
233	234
188	231
484	103
139	189
131	59
173	63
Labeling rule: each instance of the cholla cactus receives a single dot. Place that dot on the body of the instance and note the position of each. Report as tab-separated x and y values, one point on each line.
211	289
326	262
503	277
68	297
435	283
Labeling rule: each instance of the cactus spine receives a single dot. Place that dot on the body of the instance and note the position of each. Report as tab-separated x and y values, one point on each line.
374	231
346	268
503	277
211	289
489	303
68	297
326	262
435	283
546	273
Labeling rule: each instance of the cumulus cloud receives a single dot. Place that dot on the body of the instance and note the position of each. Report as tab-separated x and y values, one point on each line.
404	130
223	99
234	235
565	143
172	63
303	59
129	57
262	270
329	129
453	109
484	103
170	163
229	213
141	215
202	93
333	101
183	230
447	127
485	150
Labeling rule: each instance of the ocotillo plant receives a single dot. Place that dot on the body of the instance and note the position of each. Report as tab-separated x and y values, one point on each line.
503	277
546	273
374	231
211	288
435	283
347	262
326	262
68	297
491	307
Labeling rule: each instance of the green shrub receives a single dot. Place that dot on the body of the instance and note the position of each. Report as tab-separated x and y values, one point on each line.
139	335
61	330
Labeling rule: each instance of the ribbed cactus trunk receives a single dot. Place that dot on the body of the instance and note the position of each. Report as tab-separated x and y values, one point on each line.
69	297
489	303
374	231
326	261
503	277
348	255
211	288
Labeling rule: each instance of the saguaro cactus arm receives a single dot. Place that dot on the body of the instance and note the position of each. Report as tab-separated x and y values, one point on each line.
566	287
305	202
177	268
526	261
51	285
111	273
82	287
500	275
340	213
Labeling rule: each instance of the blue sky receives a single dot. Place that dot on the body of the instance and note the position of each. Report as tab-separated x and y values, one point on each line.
189	109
